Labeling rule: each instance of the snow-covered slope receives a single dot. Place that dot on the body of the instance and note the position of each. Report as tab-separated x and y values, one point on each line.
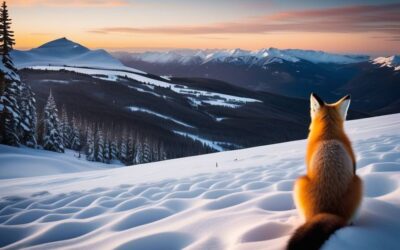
65	52
260	57
28	162
196	97
233	200
391	62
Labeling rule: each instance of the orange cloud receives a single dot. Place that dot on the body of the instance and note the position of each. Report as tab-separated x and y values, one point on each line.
69	3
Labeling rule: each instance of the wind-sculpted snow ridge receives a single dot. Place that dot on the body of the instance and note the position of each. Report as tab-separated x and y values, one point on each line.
232	200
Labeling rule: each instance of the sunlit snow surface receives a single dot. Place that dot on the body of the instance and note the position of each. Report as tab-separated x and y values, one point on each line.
231	200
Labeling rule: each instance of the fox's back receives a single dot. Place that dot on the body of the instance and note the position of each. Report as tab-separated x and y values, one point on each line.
331	171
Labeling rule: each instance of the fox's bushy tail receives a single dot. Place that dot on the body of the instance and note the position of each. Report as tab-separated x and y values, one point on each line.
315	232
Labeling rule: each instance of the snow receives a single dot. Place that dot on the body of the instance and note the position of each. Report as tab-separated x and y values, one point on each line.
195	96
145	91
262	56
55	81
200	97
238	199
27	162
221	103
65	52
106	74
391	62
211	144
147	111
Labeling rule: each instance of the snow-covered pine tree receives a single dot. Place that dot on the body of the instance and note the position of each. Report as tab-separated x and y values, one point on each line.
65	128
90	144
52	136
163	153
138	151
113	149
28	116
9	99
106	149
99	146
146	151
75	135
123	147
155	151
130	150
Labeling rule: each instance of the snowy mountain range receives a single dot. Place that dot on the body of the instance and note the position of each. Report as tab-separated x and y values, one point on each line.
288	72
240	199
218	102
214	113
238	56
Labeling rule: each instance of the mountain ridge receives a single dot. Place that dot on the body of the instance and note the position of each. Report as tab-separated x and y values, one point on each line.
262	56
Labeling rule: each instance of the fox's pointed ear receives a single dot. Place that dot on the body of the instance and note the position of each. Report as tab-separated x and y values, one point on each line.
315	104
343	106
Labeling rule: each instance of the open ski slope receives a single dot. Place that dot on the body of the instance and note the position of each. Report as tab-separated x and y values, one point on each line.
231	200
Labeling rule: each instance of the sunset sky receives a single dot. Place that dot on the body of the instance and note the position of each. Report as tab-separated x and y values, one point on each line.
346	26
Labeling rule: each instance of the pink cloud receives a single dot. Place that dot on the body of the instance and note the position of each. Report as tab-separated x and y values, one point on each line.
68	3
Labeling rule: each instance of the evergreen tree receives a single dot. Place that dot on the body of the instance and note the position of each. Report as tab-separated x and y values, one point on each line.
138	151
163	153
99	146
52	136
113	149
146	151
130	150
106	149
28	115
6	39
75	135
90	155
11	116
65	128
123	148
10	84
155	151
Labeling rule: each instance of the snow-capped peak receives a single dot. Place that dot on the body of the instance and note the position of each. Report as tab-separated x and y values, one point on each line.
62	43
391	62
62	51
262	56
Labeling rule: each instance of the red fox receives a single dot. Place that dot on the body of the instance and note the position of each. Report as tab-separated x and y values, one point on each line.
331	192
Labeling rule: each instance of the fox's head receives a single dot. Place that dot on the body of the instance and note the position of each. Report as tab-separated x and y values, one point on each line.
335	111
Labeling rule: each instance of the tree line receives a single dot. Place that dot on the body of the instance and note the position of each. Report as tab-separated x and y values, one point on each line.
59	131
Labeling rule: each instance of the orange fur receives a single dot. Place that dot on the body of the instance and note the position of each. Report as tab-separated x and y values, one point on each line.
330	187
327	125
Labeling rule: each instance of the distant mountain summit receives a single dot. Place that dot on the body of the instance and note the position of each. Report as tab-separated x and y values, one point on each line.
391	62
62	45
65	52
239	56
